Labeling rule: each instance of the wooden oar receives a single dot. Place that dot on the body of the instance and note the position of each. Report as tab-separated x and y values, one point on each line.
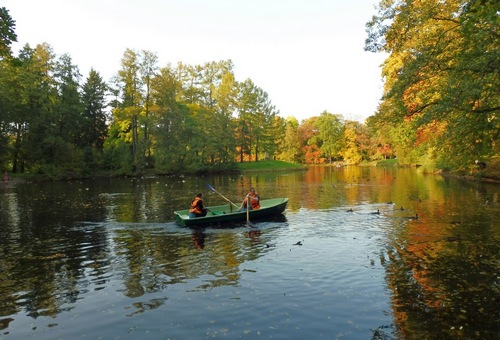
221	195
248	211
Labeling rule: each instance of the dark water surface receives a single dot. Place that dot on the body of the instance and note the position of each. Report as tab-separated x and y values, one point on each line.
103	259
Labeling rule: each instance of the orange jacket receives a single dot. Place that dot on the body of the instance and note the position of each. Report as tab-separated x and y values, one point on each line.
254	200
197	206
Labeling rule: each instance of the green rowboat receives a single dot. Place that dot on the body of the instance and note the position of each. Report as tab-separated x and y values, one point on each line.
228	213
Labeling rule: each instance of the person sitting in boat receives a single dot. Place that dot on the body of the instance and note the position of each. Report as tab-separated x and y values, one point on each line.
197	207
254	200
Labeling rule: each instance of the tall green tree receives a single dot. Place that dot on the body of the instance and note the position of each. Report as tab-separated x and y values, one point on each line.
256	116
36	122
291	148
8	100
330	136
7	32
267	132
94	92
94	130
277	137
194	108
224	94
219	90
7	36
126	115
66	141
69	106
148	70
171	127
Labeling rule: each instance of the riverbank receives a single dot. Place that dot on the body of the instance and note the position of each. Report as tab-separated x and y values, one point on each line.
489	174
261	166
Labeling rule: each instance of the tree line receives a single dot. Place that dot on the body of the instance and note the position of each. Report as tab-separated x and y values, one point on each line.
440	105
177	118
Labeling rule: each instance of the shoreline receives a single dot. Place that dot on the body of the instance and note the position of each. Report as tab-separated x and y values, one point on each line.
273	166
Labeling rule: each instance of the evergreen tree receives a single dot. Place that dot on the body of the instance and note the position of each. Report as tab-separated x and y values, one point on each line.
69	106
66	153
36	122
94	93
7	32
94	130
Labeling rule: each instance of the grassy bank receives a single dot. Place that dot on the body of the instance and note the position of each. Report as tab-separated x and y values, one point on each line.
490	173
269	166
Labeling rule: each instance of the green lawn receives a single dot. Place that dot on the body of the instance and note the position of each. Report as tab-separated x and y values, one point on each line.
269	166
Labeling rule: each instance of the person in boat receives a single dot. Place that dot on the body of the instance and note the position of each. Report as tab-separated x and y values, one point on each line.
197	207
254	198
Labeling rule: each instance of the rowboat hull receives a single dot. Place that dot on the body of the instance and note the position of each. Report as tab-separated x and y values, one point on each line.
228	213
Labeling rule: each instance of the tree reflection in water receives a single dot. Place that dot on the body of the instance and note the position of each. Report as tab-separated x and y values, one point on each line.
110	247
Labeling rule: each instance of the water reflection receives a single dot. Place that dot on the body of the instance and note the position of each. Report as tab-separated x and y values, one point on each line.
67	247
198	237
449	273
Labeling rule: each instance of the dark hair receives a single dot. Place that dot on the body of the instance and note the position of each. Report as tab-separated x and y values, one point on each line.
199	194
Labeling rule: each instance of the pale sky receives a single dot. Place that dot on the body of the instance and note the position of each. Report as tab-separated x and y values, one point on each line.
306	54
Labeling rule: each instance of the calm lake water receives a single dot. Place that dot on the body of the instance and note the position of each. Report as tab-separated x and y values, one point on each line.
104	259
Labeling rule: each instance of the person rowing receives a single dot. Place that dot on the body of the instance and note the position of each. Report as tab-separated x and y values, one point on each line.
254	198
